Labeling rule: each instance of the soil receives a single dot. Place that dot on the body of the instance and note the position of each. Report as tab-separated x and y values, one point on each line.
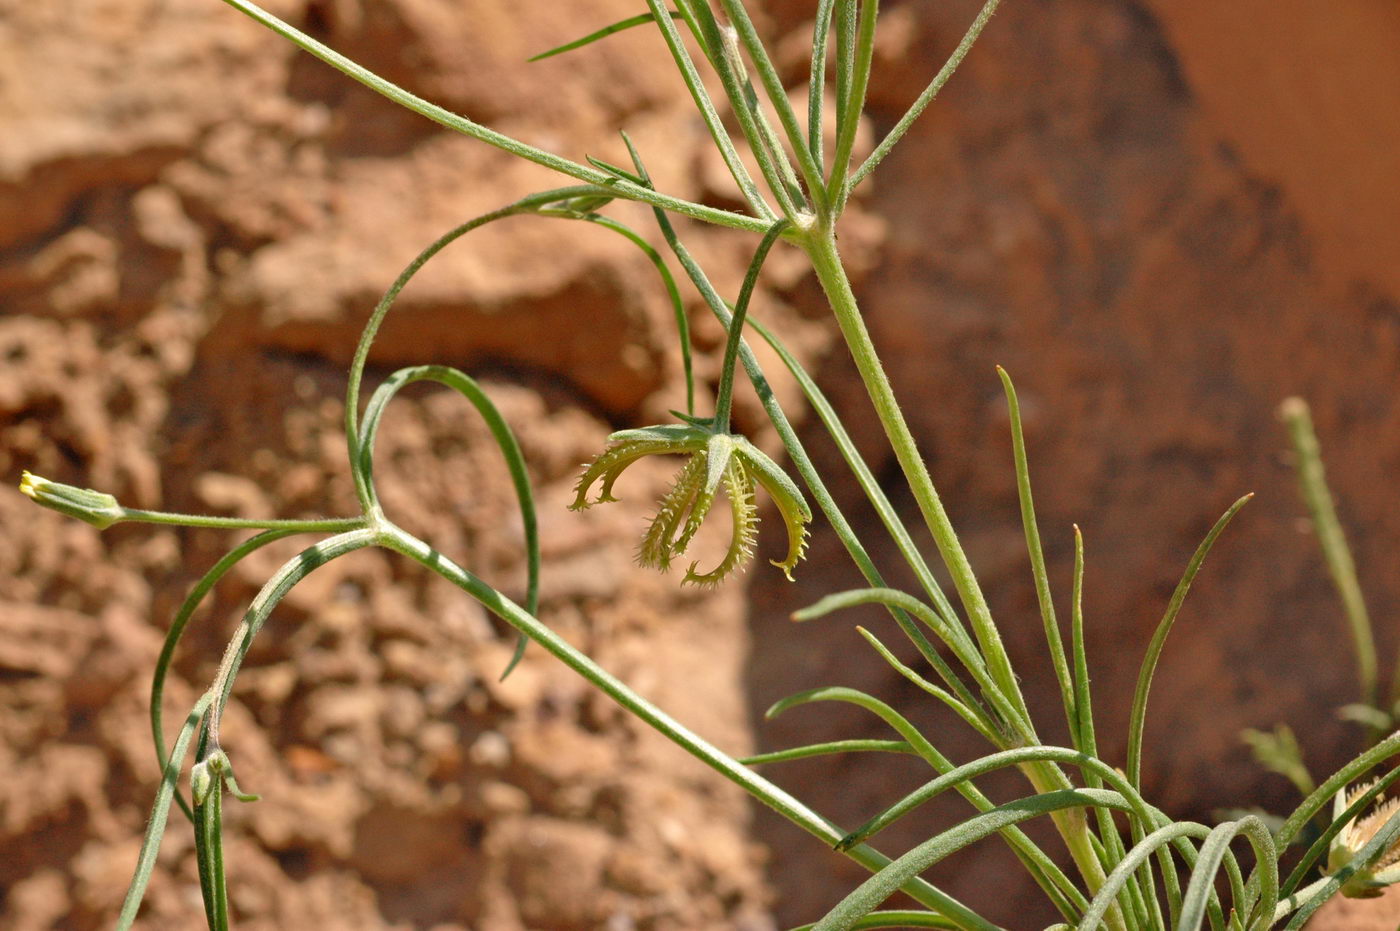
1161	219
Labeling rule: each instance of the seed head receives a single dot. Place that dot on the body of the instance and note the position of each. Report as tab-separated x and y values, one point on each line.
1367	882
715	463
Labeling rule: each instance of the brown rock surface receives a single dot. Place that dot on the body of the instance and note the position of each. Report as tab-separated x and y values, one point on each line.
195	222
1160	219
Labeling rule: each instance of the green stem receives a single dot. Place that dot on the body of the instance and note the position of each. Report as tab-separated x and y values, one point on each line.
724	398
821	248
1312	478
768	152
704	104
826	260
777	95
838	186
926	98
320	525
466	127
761	789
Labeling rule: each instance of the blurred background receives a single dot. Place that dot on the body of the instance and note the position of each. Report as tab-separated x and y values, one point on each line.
1161	217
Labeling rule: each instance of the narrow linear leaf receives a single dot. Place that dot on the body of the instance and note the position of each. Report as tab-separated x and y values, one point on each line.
896	919
619	26
827	749
177	630
868	896
505	440
973	715
1145	814
160	813
612	169
1312	480
759	788
1037	554
271	594
1159	639
1157	840
1194	902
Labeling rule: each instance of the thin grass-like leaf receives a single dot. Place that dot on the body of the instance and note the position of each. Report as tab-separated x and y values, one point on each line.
896	918
673	294
975	717
925	98
1037	554
619	26
364	489
829	748
177	630
964	651
1083	724
1159	839
1212	855
1052	880
816	83
475	130
1083	738
863	52
865	478
160	812
275	589
1159	638
505	440
761	789
955	777
614	170
1312	479
875	890
847	17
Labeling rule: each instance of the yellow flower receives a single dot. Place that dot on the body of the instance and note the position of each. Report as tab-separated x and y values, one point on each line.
716	461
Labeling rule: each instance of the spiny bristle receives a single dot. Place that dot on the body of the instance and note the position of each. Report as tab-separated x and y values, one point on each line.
658	543
738	488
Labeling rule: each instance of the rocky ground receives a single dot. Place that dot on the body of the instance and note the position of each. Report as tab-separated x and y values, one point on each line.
1162	217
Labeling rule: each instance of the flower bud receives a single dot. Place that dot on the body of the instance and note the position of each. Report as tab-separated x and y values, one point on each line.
94	507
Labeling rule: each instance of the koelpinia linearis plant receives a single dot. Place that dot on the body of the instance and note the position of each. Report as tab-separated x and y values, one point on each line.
1156	873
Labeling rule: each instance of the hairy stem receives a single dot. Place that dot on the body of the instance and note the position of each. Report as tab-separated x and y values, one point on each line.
821	247
760	788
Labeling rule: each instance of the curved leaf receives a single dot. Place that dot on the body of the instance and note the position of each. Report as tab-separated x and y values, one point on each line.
466	386
1159	638
619	26
868	896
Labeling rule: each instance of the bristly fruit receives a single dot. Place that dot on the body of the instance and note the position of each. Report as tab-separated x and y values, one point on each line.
1369	882
715	461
